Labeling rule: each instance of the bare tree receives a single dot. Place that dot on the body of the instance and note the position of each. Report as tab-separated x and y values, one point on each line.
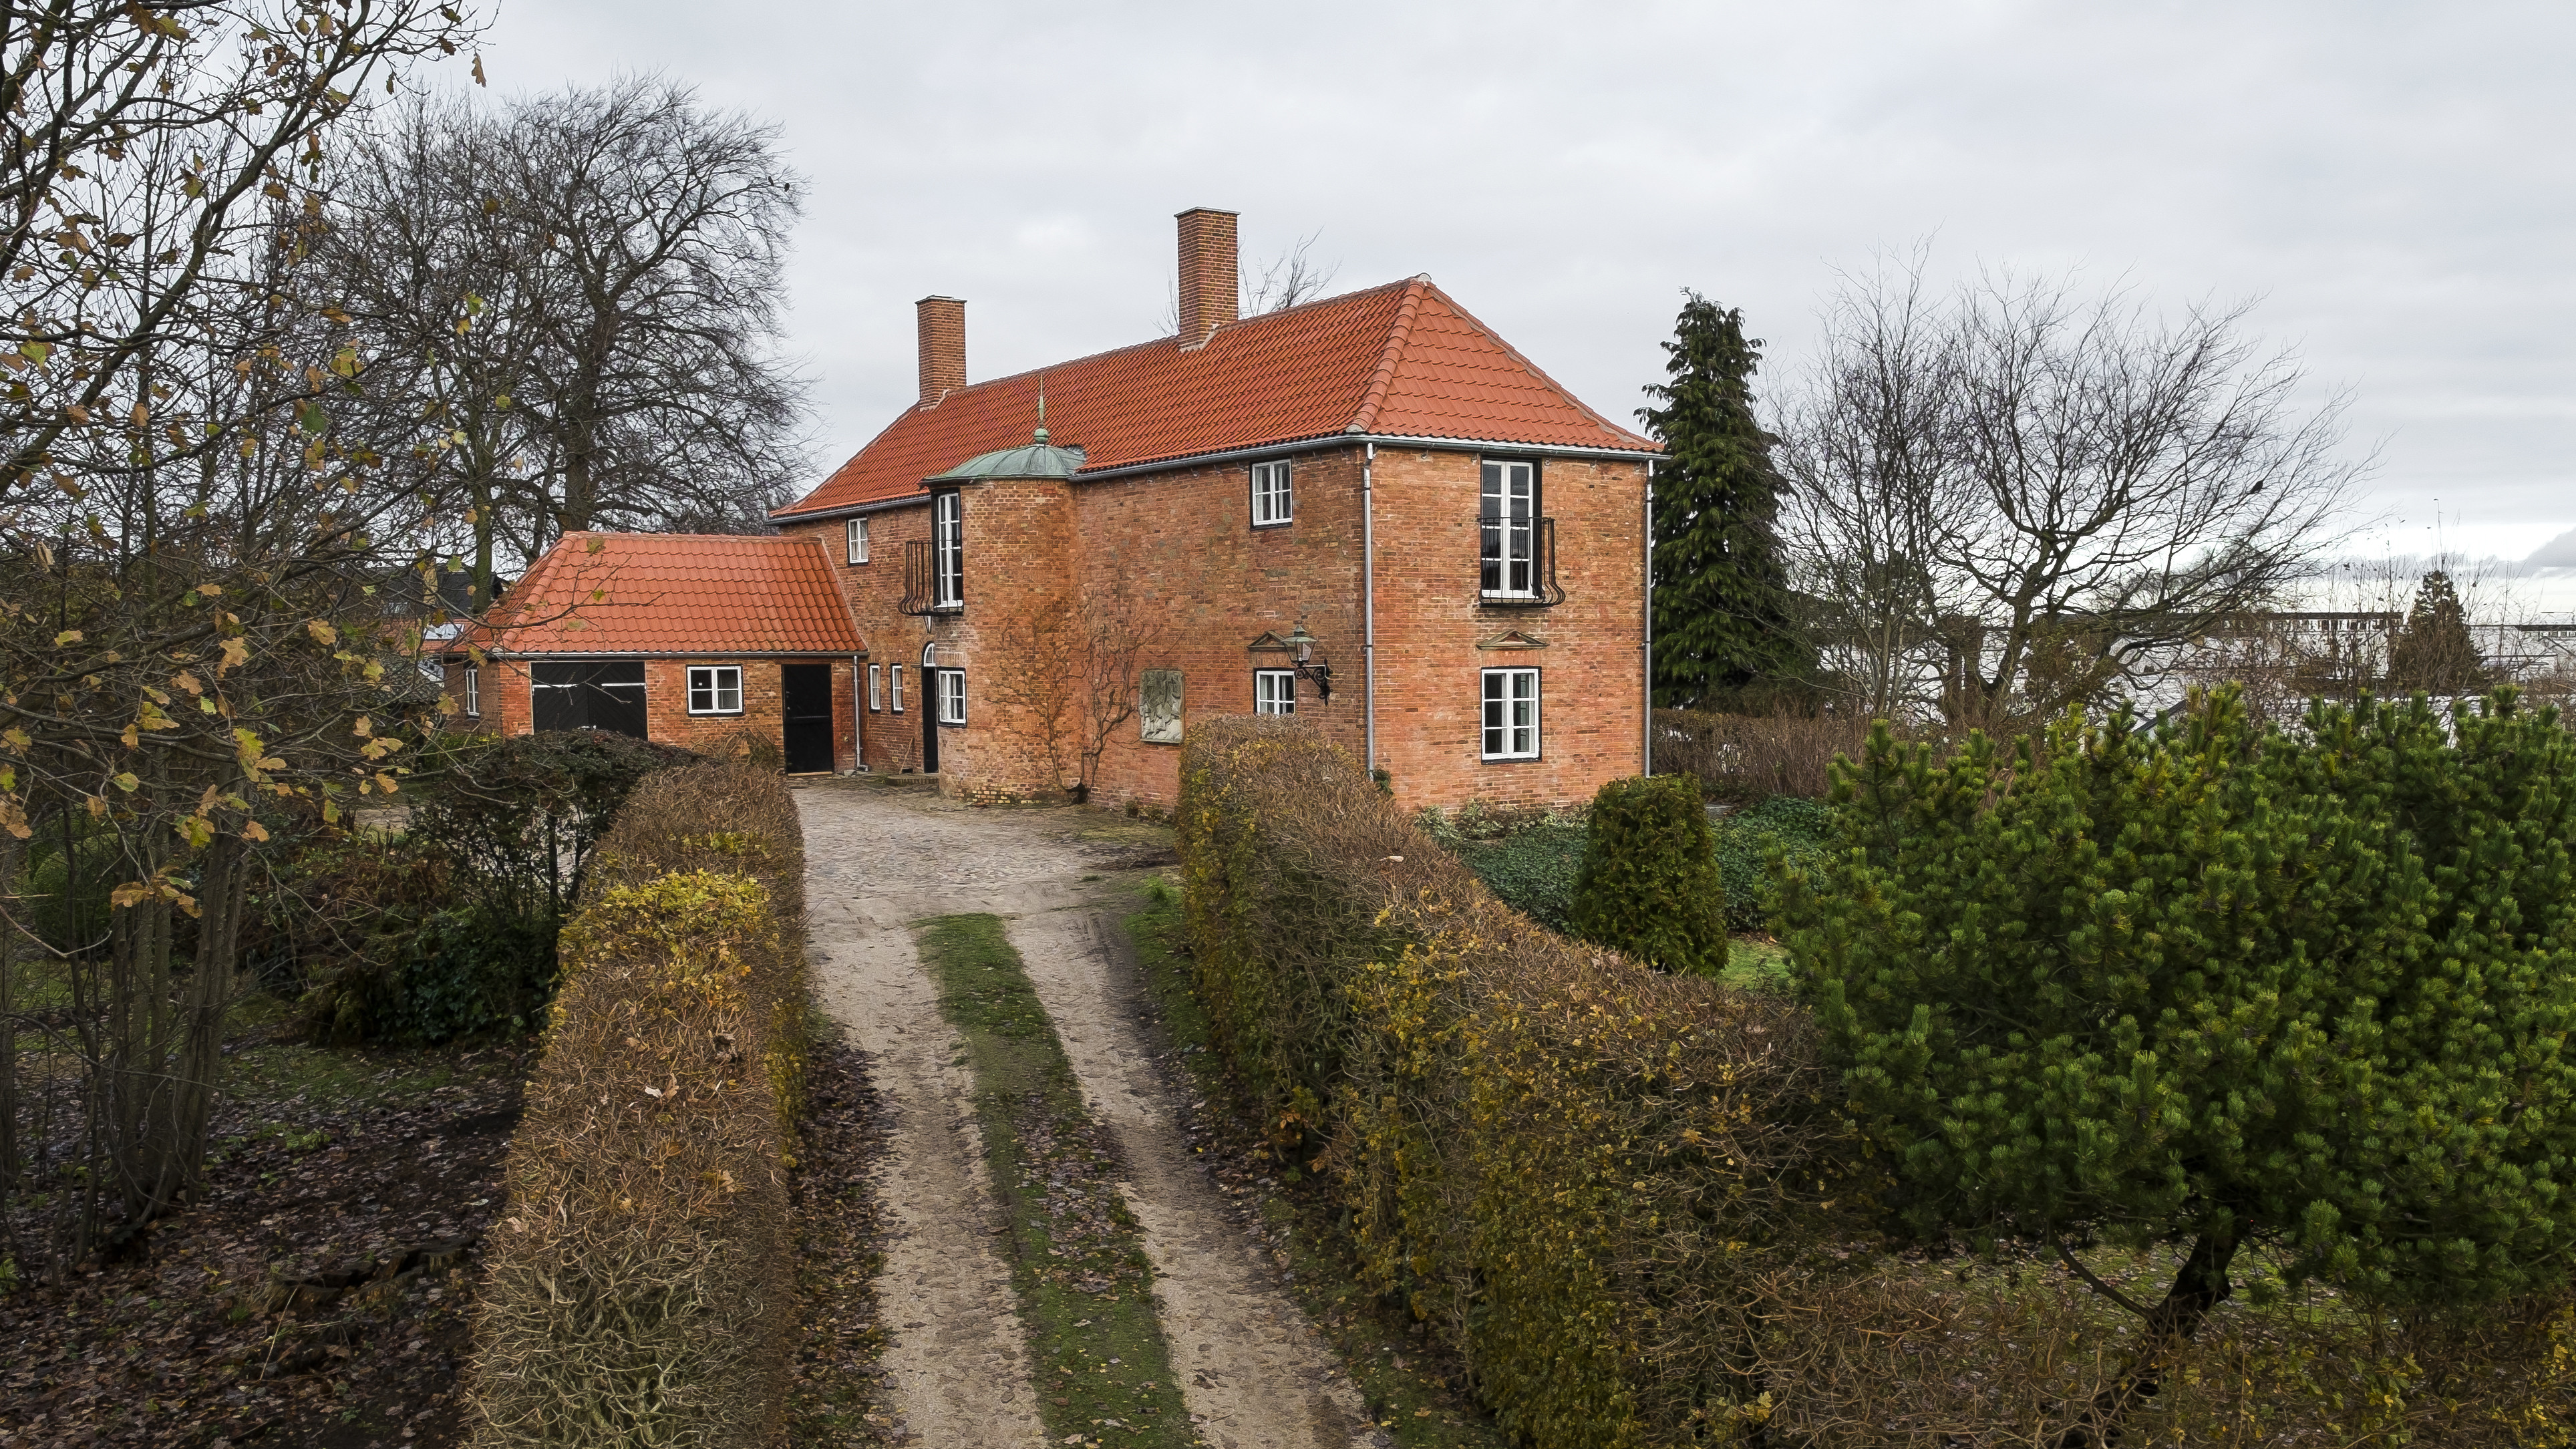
1287	280
1068	715
2014	498
586	290
1290	279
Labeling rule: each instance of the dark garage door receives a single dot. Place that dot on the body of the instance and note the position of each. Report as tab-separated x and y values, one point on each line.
605	694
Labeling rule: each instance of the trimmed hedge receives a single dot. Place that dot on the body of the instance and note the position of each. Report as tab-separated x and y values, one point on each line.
1576	1170
639	1288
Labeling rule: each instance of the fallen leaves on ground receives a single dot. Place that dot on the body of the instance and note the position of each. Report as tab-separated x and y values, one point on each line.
315	1292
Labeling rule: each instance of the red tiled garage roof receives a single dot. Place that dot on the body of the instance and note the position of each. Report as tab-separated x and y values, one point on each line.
674	593
1399	360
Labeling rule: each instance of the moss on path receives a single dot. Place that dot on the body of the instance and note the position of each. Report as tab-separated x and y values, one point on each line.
1077	1257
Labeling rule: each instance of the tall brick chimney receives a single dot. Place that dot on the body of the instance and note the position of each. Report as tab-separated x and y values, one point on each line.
1208	297
942	323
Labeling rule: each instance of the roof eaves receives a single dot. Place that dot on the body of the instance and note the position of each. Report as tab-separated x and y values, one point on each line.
1642	449
1302	443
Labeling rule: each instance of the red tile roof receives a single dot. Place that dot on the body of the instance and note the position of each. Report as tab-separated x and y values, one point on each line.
1399	360
674	593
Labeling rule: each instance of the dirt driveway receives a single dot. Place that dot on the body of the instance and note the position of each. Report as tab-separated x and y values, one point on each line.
880	858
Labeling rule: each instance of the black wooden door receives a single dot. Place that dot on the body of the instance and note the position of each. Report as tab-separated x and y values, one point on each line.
597	694
805	713
928	704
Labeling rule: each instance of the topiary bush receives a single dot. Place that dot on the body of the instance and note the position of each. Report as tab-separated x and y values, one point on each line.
1649	884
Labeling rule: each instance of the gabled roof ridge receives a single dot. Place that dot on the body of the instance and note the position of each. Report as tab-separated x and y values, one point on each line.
1235	326
1375	397
1560	389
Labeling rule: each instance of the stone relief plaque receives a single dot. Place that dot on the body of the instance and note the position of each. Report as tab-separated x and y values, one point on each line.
1160	708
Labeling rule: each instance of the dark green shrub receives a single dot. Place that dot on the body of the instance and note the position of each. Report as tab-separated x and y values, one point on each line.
1648	885
67	893
518	817
1801	830
2221	988
1533	870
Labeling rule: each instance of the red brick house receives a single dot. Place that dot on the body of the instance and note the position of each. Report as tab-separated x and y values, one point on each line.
1369	511
714	642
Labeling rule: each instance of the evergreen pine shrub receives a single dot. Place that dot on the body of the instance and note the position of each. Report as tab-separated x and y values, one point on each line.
1649	884
2223	989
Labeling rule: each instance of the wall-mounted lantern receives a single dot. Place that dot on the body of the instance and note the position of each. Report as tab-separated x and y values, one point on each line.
1309	668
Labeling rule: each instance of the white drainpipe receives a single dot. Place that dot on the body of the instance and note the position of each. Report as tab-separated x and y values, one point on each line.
1648	749
1368	604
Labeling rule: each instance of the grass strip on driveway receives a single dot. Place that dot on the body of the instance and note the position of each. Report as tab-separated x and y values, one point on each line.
1096	1348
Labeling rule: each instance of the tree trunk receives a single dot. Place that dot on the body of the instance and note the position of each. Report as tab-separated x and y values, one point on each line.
166	1043
13	853
2199	1286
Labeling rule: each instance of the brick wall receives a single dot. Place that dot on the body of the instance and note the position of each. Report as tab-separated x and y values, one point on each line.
1173	557
891	742
508	708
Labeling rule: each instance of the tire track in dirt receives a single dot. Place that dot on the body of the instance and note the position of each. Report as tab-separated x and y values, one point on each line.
956	1363
1251	1371
1249	1364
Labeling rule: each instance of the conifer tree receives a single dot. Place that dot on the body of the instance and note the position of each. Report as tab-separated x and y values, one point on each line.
2219	988
1721	591
2433	651
1649	883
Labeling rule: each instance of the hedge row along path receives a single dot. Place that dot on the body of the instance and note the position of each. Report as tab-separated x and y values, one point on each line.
959	1365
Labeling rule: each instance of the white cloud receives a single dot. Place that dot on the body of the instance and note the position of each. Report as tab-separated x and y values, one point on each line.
2387	177
2558	553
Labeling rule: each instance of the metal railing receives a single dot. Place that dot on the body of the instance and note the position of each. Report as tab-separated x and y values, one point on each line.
920	593
1516	562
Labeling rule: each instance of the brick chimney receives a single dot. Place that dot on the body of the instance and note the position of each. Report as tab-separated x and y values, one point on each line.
942	323
1208	297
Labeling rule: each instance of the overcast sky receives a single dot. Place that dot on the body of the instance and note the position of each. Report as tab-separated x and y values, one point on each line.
2394	183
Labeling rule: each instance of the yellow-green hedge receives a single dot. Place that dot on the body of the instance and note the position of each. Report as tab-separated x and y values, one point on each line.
1578	1171
638	1289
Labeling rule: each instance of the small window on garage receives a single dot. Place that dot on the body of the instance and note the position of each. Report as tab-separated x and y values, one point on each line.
715	689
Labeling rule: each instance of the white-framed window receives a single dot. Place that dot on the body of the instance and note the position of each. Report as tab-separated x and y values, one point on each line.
876	688
473	692
948	551
1274	691
1507	528
858	540
1511	714
715	689
951	687
1272	502
894	679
